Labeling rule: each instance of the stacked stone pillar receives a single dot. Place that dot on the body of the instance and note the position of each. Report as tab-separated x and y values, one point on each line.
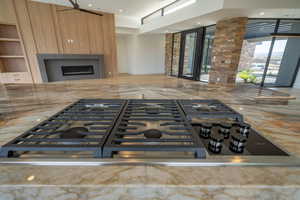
226	50
168	53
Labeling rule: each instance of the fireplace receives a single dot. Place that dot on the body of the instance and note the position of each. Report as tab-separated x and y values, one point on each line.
60	67
77	70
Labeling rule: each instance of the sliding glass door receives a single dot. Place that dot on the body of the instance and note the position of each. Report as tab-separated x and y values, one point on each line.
207	53
191	54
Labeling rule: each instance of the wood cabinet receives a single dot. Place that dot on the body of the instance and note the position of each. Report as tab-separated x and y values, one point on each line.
74	32
41	28
41	17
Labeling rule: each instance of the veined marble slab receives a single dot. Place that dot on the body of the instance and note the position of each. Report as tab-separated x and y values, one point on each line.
23	106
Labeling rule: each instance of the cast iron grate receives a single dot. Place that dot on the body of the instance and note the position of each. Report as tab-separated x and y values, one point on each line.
153	126
209	108
97	116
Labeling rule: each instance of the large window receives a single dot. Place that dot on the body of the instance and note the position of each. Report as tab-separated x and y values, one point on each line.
270	52
189	55
207	53
192	53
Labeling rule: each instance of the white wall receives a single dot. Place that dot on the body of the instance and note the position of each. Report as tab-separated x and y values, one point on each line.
297	81
122	53
141	54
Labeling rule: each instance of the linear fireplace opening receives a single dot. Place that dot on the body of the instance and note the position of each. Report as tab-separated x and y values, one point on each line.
61	67
77	70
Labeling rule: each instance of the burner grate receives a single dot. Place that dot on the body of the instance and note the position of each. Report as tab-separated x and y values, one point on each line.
210	108
153	126
97	116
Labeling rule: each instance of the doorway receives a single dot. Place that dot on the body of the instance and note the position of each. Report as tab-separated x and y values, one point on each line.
191	54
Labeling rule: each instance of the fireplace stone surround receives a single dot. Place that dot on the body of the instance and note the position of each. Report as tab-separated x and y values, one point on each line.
60	67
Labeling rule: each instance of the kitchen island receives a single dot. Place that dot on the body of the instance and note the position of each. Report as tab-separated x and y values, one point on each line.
27	105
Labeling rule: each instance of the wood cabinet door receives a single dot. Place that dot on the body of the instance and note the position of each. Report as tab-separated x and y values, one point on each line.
74	31
43	29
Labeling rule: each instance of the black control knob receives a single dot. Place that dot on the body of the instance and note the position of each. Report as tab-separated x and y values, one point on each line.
237	142
225	129
215	142
244	128
205	130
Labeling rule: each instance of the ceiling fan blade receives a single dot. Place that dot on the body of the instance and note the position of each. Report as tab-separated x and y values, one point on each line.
87	11
73	3
67	9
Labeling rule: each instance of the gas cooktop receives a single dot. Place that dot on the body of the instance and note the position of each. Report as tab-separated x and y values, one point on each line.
140	128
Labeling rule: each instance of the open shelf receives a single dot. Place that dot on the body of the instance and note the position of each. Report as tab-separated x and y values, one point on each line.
11	56
13	68
10	48
12	65
8	31
10	39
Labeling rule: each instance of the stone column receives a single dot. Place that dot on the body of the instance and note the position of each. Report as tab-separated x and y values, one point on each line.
168	53
226	50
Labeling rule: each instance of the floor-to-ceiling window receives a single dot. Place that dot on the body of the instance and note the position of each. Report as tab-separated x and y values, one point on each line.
188	64
255	50
191	53
207	53
270	52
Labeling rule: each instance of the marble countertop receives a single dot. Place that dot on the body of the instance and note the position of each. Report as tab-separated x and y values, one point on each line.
23	106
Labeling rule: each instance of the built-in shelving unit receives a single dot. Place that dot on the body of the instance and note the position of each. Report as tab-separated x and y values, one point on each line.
13	68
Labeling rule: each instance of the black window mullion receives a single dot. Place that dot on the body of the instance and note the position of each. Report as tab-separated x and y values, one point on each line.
270	53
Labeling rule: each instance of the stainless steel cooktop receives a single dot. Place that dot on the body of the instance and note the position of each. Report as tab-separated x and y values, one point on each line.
140	131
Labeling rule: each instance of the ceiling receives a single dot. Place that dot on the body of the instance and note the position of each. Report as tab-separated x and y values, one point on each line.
212	18
129	8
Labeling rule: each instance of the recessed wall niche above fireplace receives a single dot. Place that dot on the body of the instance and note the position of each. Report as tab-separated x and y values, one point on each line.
60	67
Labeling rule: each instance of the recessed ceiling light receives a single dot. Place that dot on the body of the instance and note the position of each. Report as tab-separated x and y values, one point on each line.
90	5
198	23
261	13
120	10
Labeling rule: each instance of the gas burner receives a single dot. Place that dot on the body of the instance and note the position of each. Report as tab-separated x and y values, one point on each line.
215	142
205	107
238	142
148	125
152	134
96	107
152	108
210	109
152	111
74	133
